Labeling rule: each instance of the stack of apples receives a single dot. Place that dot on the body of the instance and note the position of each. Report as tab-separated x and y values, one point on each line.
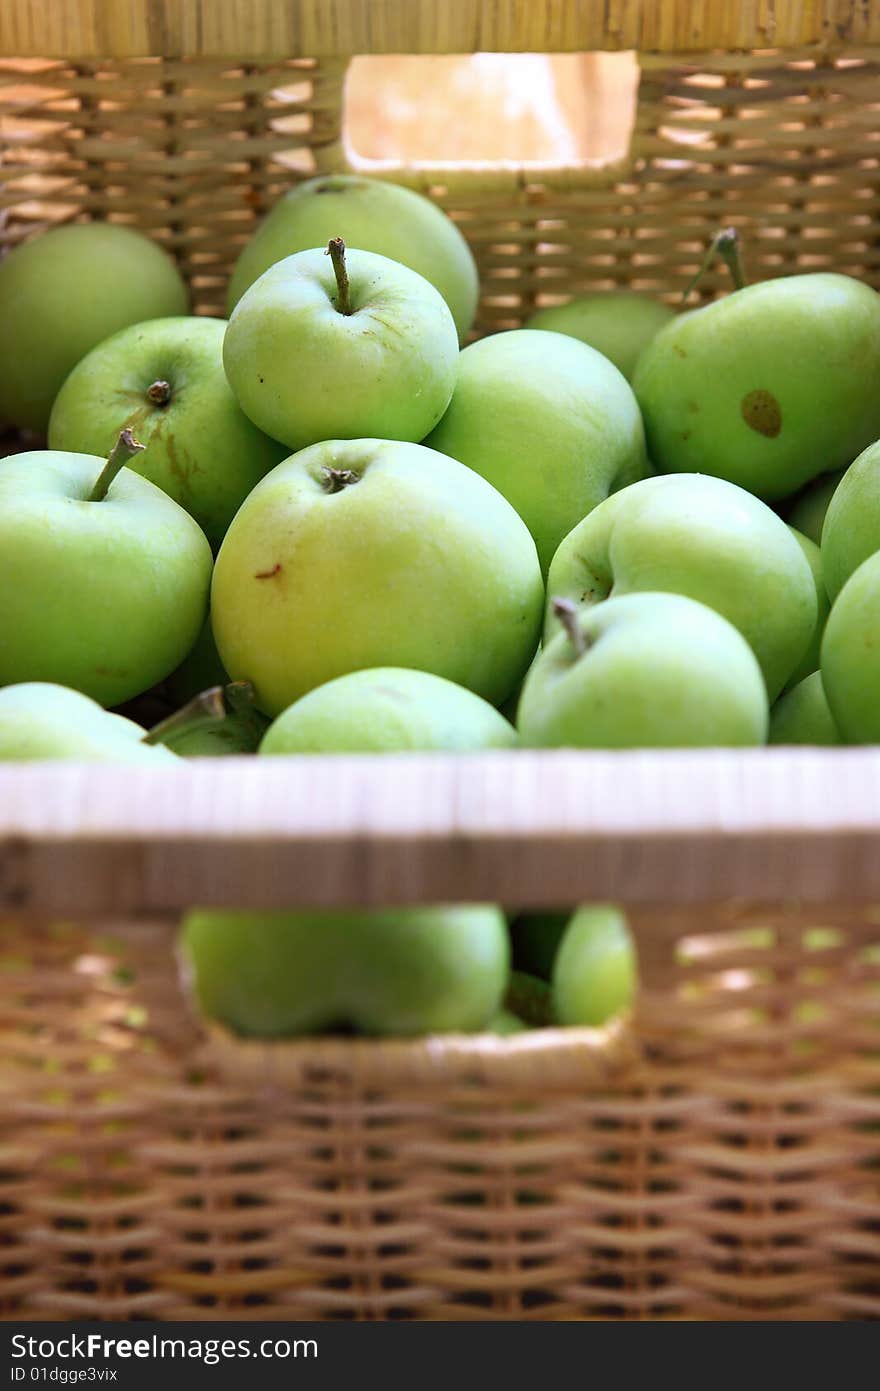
324	526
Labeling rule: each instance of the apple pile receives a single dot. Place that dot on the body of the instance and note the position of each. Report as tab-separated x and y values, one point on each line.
323	525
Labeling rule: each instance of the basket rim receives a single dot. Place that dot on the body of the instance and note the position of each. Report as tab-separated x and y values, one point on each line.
553	1058
263	29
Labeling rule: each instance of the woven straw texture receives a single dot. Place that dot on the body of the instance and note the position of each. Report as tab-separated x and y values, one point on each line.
716	1157
784	146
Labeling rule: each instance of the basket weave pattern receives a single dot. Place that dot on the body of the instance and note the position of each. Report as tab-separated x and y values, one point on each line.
720	1158
784	146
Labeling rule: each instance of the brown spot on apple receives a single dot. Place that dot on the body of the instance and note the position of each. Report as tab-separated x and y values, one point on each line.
761	412
269	574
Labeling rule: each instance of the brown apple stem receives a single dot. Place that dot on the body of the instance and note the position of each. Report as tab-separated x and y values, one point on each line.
204	711
567	613
725	244
336	252
125	448
335	479
159	393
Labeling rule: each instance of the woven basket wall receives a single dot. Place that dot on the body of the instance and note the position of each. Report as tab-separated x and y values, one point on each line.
718	1156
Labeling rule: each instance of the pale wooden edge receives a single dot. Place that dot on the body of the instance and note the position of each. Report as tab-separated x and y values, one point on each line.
523	829
548	1059
266	29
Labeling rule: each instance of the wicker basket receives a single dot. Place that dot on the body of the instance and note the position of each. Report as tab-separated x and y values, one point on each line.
717	1156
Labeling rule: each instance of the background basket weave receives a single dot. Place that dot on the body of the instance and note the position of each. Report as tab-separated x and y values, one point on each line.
719	1155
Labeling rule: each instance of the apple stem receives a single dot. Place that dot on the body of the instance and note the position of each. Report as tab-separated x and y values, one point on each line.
239	696
159	393
725	244
336	252
207	709
567	613
335	479
124	449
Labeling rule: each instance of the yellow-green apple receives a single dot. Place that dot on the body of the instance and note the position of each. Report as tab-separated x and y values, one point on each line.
372	215
388	710
705	538
851	655
370	553
809	662
103	579
64	292
769	387
851	531
39	720
341	346
618	325
165	381
644	671
549	422
383	971
801	715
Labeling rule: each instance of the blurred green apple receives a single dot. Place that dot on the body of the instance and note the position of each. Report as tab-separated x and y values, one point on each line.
372	553
851	656
705	538
385	710
341	346
372	215
851	532
383	971
40	720
549	422
644	671
594	973
769	387
64	292
165	381
616	324
807	515
103	579
801	715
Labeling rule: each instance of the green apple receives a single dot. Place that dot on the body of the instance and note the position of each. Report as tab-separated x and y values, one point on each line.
769	387
851	531
386	710
103	579
705	538
39	720
372	553
851	656
165	381
64	292
807	514
341	347
809	662
594	974
384	971
217	722
644	671
801	715
617	325
372	215
549	422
